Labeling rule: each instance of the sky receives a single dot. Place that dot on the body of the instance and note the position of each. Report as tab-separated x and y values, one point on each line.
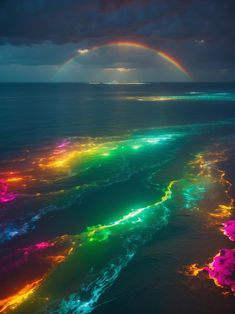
44	40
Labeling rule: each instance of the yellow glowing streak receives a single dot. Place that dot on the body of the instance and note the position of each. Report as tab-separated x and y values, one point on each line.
14	179
223	211
65	159
151	98
193	270
206	169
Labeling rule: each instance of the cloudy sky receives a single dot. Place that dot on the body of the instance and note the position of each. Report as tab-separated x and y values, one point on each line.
38	37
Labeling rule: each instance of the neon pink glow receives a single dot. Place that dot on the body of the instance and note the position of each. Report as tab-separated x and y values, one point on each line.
222	269
5	195
37	247
229	229
63	144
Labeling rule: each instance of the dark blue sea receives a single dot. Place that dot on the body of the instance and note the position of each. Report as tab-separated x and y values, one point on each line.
113	198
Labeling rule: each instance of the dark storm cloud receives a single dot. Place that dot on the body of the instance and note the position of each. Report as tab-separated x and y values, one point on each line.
64	21
199	32
28	21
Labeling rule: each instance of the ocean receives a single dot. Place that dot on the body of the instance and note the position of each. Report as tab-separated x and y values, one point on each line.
117	198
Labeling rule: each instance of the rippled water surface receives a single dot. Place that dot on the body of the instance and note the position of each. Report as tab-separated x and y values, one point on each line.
117	198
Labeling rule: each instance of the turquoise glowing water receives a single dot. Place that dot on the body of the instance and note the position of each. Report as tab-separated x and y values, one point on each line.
112	195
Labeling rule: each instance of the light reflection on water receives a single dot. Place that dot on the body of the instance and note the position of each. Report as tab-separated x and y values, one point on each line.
88	178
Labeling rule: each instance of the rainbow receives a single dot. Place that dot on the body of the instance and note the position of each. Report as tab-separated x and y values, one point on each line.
132	44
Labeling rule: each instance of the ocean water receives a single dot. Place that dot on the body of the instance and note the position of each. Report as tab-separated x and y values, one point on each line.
113	198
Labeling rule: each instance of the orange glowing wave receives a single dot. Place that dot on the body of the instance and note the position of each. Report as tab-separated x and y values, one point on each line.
13	301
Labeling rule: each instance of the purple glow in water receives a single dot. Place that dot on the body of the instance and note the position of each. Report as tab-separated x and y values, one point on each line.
229	229
5	195
222	269
63	144
37	247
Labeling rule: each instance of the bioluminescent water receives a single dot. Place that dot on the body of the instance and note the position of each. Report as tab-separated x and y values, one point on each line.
109	205
191	96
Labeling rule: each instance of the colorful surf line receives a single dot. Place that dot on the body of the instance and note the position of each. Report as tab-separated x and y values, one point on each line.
201	174
222	268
